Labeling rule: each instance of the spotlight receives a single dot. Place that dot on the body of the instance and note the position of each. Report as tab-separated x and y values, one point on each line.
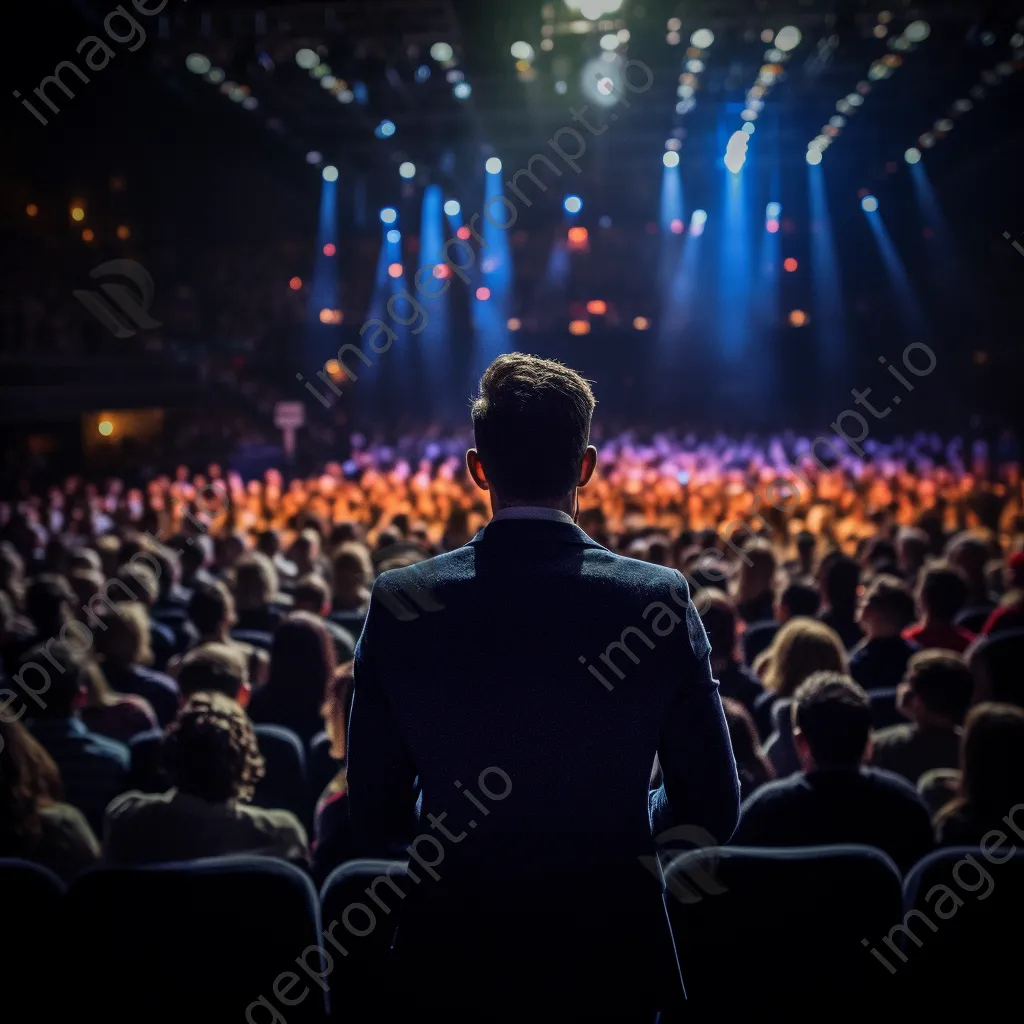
573	204
493	165
641	323
522	51
788	38
671	158
598	307
329	249
394	236
702	38
250	103
789	265
773	211
346	96
452	208
697	222
385	129
869	204
442	271
579	327
454	76
422	73
676	226
483	294
388	215
917	31
695	67
328	82
441	52
197	63
814	156
610	42
748	128
797	318
295	283
464	233
674	25
330	172
912	155
123	232
462	91
407	170
601	83
736	152
514	323
395	270
771	226
105	427
307	59
215	76
561	87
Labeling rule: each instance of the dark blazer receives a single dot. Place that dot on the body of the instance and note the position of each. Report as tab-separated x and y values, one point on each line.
472	678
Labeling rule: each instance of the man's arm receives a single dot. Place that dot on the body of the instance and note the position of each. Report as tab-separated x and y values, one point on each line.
700	786
381	772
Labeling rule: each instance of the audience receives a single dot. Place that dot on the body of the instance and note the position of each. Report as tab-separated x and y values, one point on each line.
879	661
753	767
835	798
839	577
256	595
212	758
333	843
941	594
313	595
735	680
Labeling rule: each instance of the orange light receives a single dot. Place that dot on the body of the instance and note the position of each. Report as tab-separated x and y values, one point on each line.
464	233
87	235
32	209
295	283
790	264
522	65
676	227
514	323
333	368
797	318
771	226
641	323
331	316
105	427
77	213
597	306
123	232
395	270
442	271
329	249
483	294
579	327
578	236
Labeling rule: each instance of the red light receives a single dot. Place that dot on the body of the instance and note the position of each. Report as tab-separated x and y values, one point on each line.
463	233
395	270
442	271
578	236
676	227
483	294
295	283
329	249
790	264
771	226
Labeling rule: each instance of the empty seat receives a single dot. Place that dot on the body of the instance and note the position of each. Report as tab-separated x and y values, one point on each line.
207	940
756	928
284	785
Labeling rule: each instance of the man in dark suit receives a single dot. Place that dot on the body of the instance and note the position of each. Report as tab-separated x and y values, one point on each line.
520	688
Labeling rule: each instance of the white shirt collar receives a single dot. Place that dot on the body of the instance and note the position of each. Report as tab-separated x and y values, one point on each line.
532	512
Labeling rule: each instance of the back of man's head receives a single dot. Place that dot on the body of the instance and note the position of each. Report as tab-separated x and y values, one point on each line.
942	683
210	607
55	677
48	602
831	721
943	591
840	579
718	613
800	599
889	601
532	425
214	668
312	594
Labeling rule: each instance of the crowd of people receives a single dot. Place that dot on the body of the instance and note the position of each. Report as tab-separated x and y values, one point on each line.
866	629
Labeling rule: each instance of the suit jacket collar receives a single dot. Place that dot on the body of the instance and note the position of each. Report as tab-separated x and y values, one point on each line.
540	531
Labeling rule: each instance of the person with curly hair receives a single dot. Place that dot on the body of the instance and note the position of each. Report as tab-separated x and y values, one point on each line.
211	756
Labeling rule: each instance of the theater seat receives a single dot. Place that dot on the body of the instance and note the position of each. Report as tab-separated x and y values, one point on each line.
883	708
760	928
363	976
321	766
979	940
203	941
284	785
253	637
30	903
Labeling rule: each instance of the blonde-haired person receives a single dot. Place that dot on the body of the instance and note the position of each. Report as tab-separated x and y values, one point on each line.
123	656
802	646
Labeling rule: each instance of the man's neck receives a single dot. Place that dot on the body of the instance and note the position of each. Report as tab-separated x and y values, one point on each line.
566	504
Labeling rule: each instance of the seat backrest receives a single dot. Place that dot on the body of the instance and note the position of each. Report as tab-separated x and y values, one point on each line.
973	617
780	919
254	637
284	784
883	708
213	939
962	917
321	766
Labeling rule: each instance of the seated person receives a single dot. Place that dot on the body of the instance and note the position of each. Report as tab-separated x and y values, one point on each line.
797	599
879	661
753	768
333	843
839	580
94	769
142	583
735	680
214	763
35	824
991	783
834	799
256	594
312	594
941	593
352	580
935	697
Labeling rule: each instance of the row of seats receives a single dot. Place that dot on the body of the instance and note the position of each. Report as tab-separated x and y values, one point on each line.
754	928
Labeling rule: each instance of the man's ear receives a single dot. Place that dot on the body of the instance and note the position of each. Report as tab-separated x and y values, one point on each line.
476	469
588	466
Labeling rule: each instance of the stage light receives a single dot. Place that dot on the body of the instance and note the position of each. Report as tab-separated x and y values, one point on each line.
561	87
855	99
788	38
330	249
462	91
330	173
547	44
77	213
388	215
214	76
610	41
771	226
346	96
455	75
328	82
695	67
672	38
598	307
105	427
869	204
670	159
307	59
395	270
697	221
578	237
385	129
197	63
514	323
407	170
483	294
919	31
676	226
452	208
748	128
814	156
594	9
394	236
773	211
579	327
573	204
441	52
736	152
912	155
789	265
943	125
250	103
123	232
674	144
641	323
623	35
464	233
442	271
333	368
673	24
320	70
601	83
702	38
797	318
522	51
295	283
88	236
422	73
32	210
493	165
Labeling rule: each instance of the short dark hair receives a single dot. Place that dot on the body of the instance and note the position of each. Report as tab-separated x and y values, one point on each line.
840	576
141	582
212	668
532	426
943	682
801	599
943	590
834	715
65	675
718	613
209	604
47	596
891	597
312	589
